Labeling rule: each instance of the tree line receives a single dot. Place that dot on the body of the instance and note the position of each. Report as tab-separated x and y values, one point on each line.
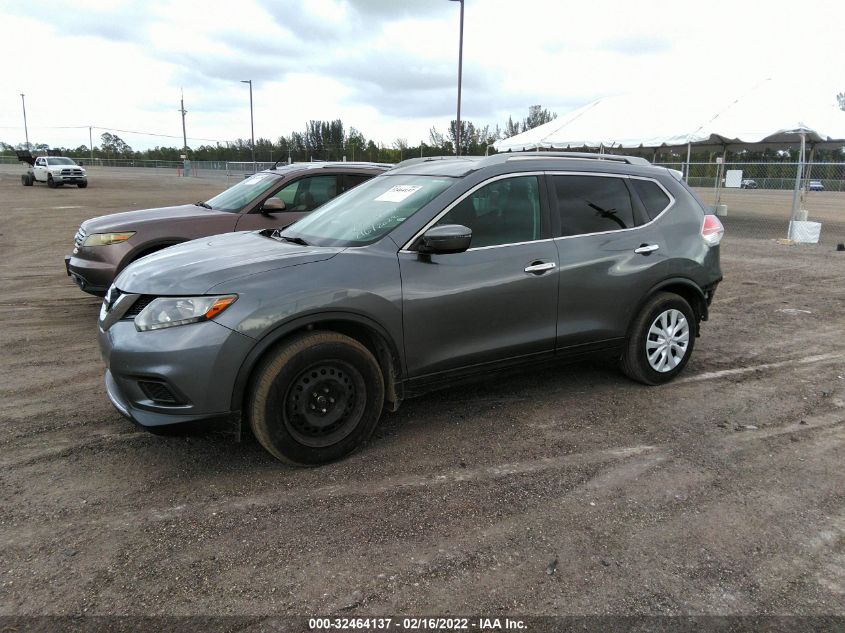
320	140
332	140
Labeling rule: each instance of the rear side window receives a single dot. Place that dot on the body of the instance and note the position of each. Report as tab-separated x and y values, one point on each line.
592	204
353	180
654	199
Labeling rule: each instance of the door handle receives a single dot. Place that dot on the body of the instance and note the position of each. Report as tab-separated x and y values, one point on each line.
645	249
540	267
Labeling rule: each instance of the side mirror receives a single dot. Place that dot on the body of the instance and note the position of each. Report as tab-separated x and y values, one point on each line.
449	238
271	205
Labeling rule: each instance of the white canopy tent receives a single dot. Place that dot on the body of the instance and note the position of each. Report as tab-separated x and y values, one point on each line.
772	114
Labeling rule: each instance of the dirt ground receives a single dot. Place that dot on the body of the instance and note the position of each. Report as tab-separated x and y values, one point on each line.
722	493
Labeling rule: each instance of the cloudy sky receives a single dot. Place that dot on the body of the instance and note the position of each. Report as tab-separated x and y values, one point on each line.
387	67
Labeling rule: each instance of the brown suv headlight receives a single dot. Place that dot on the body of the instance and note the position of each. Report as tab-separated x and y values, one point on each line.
104	239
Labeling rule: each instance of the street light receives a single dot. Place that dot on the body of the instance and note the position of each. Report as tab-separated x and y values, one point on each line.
460	73
25	129
251	122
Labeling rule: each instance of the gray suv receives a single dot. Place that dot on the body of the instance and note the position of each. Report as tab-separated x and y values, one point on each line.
435	271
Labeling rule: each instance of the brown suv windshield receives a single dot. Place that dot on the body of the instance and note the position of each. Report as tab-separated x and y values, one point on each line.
235	198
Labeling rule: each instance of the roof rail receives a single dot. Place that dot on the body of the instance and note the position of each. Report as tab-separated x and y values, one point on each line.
332	163
630	160
429	159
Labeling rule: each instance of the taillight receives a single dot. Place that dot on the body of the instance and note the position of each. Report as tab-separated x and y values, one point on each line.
712	230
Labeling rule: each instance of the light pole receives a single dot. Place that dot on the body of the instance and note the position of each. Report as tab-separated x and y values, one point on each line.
251	122
25	128
185	163
460	73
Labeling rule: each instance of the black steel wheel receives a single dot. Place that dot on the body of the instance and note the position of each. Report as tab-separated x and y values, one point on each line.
323	403
316	398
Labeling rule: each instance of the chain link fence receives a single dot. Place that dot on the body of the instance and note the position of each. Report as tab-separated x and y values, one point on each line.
756	199
753	199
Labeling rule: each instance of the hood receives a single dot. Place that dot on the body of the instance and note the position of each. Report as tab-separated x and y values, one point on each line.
194	267
131	220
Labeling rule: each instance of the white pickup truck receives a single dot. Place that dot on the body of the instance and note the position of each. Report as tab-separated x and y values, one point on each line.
53	170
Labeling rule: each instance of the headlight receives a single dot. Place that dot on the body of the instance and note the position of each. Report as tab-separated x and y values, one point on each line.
172	311
104	239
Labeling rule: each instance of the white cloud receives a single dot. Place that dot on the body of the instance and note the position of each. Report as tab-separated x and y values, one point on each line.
387	68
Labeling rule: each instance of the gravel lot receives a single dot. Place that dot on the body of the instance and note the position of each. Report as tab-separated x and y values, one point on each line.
723	493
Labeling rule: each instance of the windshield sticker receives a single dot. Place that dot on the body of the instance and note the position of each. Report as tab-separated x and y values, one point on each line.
398	193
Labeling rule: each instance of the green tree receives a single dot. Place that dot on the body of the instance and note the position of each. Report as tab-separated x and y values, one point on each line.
537	115
511	128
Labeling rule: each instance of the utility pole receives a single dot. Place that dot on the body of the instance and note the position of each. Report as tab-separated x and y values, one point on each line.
25	128
251	121
91	142
185	164
460	74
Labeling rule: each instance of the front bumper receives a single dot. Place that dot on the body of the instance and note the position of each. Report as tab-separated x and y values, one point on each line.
68	179
194	366
92	277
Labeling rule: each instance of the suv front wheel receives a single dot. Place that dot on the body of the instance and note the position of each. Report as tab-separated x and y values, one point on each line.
316	398
660	340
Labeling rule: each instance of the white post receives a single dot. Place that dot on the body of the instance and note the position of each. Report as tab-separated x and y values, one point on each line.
798	173
689	154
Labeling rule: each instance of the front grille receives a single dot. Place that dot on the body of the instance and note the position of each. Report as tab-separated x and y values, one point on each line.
79	238
158	392
72	172
140	303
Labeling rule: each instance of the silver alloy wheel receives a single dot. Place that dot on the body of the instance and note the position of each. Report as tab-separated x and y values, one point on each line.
667	341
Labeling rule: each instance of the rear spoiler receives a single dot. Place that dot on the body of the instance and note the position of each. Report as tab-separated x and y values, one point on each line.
25	156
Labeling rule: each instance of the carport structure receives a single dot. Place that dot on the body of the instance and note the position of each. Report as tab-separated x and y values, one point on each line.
770	115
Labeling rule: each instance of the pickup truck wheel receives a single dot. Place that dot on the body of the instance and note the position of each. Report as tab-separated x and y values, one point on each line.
316	398
660	340
82	185
50	182
26	179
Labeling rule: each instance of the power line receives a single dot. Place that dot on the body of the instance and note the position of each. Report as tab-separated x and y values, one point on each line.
113	129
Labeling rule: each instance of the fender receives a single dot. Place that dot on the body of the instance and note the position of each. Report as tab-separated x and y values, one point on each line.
146	249
701	309
286	328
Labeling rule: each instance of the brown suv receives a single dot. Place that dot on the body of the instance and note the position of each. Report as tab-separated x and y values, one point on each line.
269	199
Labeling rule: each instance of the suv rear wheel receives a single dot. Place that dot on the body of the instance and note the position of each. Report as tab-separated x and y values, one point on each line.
660	340
316	398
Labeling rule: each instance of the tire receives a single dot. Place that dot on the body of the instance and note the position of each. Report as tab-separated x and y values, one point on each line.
316	398
82	185
659	313
26	179
50	182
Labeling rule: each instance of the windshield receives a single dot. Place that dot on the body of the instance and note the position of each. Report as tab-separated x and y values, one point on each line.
235	198
60	161
369	211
